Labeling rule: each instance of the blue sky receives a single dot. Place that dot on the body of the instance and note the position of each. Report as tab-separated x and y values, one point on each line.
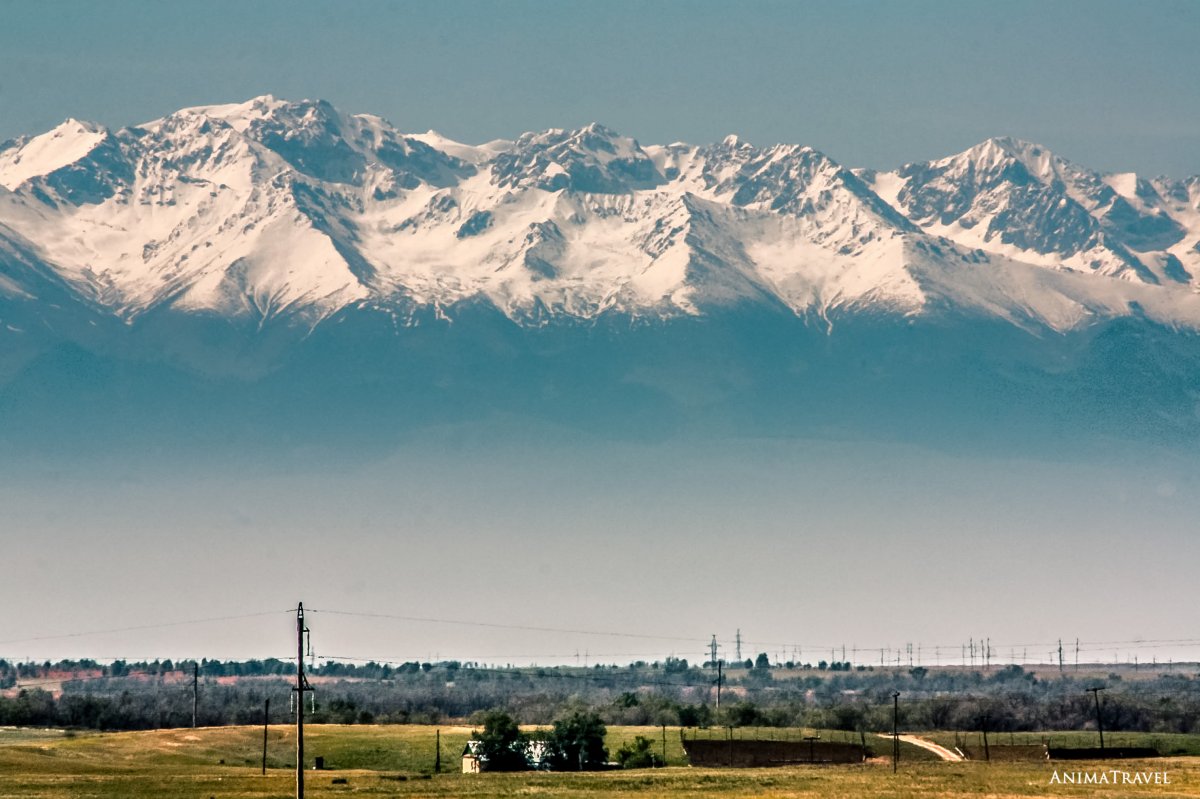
1111	85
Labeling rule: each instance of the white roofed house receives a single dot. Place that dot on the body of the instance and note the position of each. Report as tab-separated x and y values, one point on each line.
472	762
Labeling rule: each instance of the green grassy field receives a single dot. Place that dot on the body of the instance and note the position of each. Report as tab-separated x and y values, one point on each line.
1166	743
398	760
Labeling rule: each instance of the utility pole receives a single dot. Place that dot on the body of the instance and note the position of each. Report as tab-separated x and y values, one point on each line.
1099	723
895	730
266	718
738	639
437	759
1060	658
300	689
719	664
1076	654
195	691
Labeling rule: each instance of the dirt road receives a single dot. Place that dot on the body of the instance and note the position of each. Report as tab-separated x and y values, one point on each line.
937	749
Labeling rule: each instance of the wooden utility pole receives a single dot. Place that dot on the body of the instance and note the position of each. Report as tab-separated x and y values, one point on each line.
895	730
195	691
266	719
664	744
437	759
300	689
1099	723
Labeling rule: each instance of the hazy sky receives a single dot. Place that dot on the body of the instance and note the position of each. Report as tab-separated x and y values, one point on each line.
1109	84
805	543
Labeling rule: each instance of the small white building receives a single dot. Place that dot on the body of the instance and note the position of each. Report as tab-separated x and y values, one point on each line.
471	760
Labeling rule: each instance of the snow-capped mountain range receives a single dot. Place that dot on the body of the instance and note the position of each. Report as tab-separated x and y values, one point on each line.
271	210
280	272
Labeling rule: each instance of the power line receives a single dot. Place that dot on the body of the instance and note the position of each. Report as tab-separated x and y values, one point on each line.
85	633
492	658
1082	647
499	626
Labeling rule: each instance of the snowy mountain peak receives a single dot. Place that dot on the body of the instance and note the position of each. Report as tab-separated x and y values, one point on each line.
25	158
1020	200
1000	148
591	159
238	115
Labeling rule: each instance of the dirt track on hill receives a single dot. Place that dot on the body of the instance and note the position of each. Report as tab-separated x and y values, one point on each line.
937	749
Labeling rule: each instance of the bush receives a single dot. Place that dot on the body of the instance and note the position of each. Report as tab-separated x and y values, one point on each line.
637	754
695	716
743	714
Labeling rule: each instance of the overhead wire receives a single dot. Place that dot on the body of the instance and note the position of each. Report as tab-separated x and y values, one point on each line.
139	627
946	652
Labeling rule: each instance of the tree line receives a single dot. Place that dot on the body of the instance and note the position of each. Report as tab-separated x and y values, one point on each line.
158	694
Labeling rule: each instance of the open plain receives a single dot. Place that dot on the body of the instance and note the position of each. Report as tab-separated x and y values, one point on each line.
398	760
